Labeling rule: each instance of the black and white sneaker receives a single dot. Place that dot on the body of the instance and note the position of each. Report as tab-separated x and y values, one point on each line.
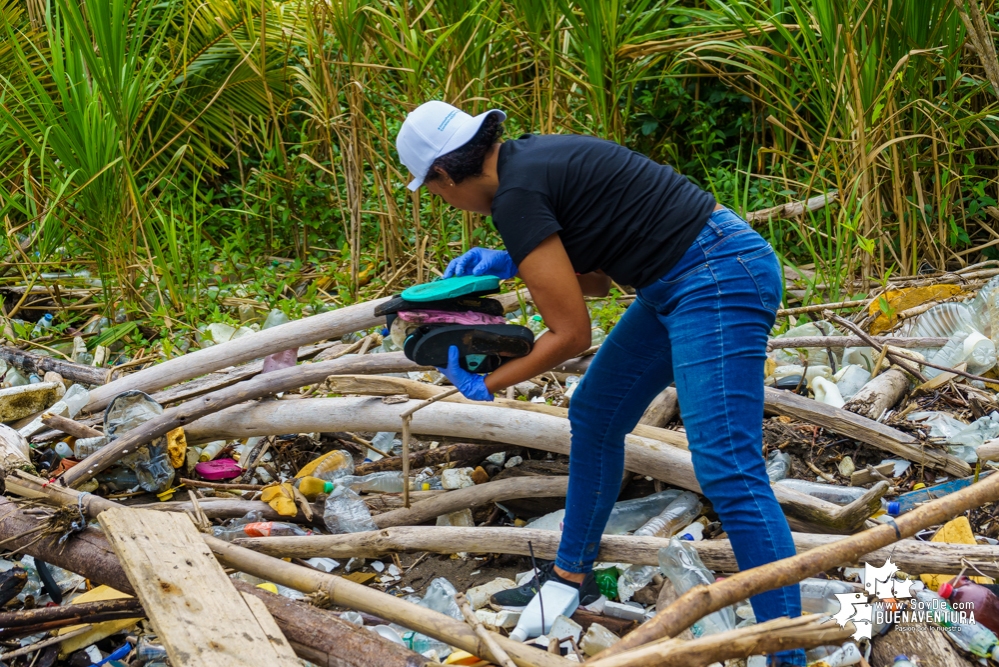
515	599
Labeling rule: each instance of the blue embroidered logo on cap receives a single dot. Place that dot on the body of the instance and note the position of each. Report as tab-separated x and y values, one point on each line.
447	119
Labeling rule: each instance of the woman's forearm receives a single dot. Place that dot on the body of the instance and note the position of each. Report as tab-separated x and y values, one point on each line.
549	351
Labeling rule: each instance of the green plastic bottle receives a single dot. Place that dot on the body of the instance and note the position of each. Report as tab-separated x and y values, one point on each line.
607	582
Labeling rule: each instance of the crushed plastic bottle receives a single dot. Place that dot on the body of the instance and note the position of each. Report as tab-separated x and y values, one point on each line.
840	495
440	598
284	358
850	379
634	579
383	441
778	465
146	649
684	509
345	512
814	355
84	447
426	646
14	378
625	517
962	439
680	563
389	481
330	466
68	406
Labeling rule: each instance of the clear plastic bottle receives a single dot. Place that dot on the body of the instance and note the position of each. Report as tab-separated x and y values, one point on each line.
259	529
840	495
329	466
626	516
684	509
14	378
425	645
383	441
84	447
903	661
146	649
536	324
634	579
778	465
44	323
211	450
850	379
346	513
680	563
389	481
972	637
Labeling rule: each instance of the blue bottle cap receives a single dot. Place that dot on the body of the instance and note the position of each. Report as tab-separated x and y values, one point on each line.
894	509
385	331
901	657
687	536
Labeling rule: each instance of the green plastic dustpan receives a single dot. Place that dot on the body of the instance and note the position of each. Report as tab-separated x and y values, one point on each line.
451	288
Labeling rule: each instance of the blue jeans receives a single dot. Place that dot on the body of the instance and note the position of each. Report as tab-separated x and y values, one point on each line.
703	325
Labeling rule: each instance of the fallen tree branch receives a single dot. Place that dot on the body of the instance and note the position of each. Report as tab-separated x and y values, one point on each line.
909	555
306	331
779	634
69	427
851	341
40	364
703	600
261	385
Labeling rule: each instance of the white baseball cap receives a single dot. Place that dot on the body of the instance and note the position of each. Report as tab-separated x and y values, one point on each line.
433	129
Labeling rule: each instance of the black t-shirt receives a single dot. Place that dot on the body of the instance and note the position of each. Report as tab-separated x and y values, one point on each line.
614	209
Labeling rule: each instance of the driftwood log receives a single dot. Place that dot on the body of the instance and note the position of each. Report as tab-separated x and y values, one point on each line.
309	330
663	409
261	385
40	364
462	454
339	590
702	600
316	635
840	342
879	394
69	426
466	420
909	555
777	635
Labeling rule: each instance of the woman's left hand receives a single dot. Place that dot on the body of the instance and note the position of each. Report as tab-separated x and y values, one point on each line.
471	385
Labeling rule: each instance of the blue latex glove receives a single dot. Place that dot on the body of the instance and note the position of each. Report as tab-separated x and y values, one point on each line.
471	385
481	262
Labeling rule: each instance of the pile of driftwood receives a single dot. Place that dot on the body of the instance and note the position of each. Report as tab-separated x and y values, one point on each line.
174	567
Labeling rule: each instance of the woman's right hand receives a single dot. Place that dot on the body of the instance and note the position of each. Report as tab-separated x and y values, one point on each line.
482	261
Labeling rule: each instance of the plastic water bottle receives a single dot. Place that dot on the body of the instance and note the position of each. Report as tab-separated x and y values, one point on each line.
684	509
778	465
625	517
850	379
346	513
68	406
284	358
680	563
383	441
84	447
840	495
259	529
329	466
634	579
389	481
44	323
425	645
146	649
14	378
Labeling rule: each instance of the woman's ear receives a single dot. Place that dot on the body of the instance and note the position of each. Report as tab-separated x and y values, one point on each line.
443	176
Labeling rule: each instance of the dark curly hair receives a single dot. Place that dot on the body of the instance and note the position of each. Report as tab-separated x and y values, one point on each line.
466	161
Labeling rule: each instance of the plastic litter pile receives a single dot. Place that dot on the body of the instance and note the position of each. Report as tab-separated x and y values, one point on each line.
343	480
